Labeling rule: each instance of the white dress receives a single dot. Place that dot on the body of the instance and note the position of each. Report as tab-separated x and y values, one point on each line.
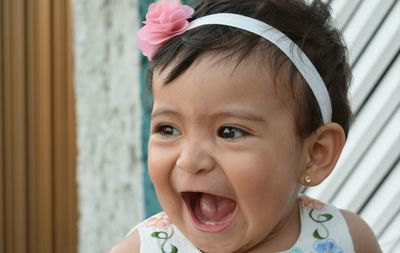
323	230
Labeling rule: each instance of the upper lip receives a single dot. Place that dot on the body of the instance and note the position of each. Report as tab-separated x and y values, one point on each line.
202	184
224	195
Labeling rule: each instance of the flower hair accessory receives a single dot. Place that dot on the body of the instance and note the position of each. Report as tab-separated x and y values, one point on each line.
164	20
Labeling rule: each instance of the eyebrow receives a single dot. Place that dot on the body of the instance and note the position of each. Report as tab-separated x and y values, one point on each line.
243	114
163	111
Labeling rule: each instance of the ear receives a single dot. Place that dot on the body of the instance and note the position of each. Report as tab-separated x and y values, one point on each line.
323	148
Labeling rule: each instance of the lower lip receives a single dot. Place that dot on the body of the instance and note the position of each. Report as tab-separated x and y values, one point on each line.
211	227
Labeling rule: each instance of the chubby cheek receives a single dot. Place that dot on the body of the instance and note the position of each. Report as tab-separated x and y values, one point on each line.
158	165
264	187
161	162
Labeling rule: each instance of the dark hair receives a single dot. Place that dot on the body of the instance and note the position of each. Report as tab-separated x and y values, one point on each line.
308	25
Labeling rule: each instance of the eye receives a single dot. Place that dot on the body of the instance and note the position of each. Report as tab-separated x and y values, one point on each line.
231	132
168	130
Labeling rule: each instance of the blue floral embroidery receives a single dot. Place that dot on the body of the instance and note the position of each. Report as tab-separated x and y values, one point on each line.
327	246
296	250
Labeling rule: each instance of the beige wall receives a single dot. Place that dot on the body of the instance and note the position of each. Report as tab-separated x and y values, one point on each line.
109	117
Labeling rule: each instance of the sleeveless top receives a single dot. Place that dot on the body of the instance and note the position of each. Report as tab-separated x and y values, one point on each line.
323	230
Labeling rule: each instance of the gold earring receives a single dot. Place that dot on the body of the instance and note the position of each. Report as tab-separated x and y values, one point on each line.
307	179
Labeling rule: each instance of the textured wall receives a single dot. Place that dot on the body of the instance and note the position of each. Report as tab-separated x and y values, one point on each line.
109	115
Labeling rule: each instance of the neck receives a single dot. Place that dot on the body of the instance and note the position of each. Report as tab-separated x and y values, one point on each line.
285	234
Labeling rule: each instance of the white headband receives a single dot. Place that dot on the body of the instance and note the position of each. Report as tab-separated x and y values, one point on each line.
285	44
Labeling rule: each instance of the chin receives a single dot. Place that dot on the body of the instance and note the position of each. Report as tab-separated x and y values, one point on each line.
216	247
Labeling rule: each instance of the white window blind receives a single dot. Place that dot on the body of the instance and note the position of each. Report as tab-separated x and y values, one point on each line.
366	179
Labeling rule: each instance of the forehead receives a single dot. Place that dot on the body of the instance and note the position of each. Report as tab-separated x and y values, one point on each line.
216	81
219	70
231	60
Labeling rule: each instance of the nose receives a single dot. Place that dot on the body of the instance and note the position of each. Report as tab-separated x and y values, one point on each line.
195	158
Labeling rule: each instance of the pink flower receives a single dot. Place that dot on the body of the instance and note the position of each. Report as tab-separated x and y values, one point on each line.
160	220
312	203
164	20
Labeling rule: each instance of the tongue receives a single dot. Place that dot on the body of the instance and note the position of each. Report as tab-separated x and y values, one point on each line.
215	208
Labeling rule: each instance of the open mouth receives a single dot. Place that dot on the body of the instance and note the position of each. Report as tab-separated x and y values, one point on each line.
210	213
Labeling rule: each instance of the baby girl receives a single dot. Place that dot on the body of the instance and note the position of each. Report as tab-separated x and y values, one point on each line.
250	106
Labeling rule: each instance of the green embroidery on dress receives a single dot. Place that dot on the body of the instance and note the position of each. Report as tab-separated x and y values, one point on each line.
320	219
165	236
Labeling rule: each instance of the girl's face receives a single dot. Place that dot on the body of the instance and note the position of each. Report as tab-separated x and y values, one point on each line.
224	158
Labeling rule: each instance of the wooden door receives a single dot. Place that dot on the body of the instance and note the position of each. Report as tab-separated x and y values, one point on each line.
38	202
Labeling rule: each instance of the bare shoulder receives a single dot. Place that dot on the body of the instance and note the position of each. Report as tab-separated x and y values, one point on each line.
130	244
363	238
